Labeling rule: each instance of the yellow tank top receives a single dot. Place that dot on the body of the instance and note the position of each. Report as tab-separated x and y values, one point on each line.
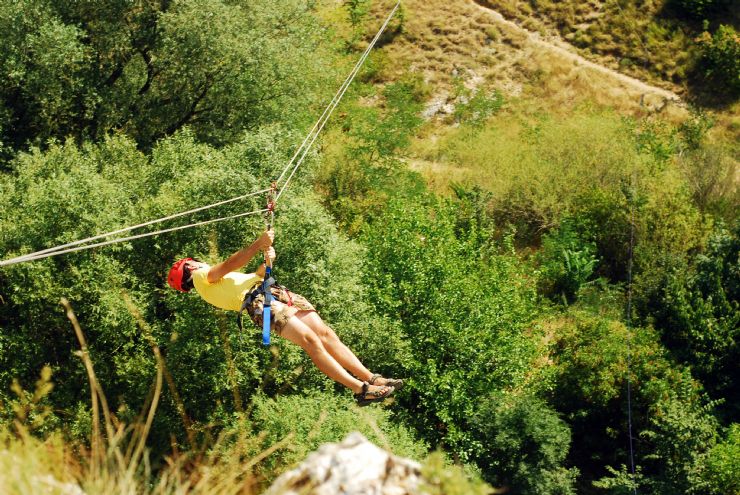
227	293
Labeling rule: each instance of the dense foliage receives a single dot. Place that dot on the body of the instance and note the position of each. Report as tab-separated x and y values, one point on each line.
581	285
84	69
721	55
700	9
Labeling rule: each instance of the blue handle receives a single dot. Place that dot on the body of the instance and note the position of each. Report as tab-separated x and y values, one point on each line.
266	309
266	325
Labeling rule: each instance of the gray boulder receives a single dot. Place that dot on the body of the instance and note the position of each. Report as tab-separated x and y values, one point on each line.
354	466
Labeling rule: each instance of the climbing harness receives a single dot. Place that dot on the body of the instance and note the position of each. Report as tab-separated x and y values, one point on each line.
264	288
267	310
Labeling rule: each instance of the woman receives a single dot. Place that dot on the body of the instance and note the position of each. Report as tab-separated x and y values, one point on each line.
294	317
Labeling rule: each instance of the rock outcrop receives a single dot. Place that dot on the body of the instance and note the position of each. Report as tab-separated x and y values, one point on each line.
354	466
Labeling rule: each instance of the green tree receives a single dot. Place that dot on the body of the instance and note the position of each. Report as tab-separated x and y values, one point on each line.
681	430
358	180
720	471
84	69
672	421
697	309
69	192
318	418
458	310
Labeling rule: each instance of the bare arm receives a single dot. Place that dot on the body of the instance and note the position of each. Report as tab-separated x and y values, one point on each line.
269	253
240	258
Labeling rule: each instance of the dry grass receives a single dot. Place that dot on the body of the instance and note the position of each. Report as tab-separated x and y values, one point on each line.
116	459
445	40
448	41
634	39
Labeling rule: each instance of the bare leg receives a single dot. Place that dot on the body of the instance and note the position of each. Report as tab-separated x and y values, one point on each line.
340	352
299	333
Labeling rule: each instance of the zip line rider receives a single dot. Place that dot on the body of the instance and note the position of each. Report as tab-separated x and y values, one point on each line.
294	317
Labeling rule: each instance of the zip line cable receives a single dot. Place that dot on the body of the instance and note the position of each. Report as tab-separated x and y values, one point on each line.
335	101
302	150
628	316
132	237
36	255
631	200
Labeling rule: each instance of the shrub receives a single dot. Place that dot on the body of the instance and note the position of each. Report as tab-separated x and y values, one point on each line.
358	178
462	310
321	417
217	67
474	107
708	171
526	446
70	192
720	473
601	219
681	429
443	478
696	308
566	262
721	58
672	420
537	168
693	131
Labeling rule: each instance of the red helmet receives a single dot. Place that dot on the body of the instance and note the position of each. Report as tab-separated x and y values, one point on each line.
174	278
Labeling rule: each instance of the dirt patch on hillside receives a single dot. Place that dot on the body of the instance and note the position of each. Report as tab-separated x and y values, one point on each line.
562	49
444	40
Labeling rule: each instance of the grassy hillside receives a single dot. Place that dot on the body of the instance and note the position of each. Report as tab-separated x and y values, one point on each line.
462	48
653	40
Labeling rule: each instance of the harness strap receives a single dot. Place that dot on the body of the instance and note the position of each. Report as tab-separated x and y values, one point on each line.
250	298
266	309
290	299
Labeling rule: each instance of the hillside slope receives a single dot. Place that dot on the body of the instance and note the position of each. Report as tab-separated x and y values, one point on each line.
461	38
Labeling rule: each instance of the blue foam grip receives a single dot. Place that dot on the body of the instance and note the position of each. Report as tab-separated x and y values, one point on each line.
266	310
266	326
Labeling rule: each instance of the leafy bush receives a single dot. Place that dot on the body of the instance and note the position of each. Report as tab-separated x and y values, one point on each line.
680	431
70	192
602	219
358	177
566	262
443	478
696	308
721	58
474	107
537	168
462	310
693	131
672	420
70	69
527	444
357	10
720	473
320	417
708	171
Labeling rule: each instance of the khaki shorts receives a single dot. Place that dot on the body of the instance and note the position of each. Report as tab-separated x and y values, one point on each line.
284	305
